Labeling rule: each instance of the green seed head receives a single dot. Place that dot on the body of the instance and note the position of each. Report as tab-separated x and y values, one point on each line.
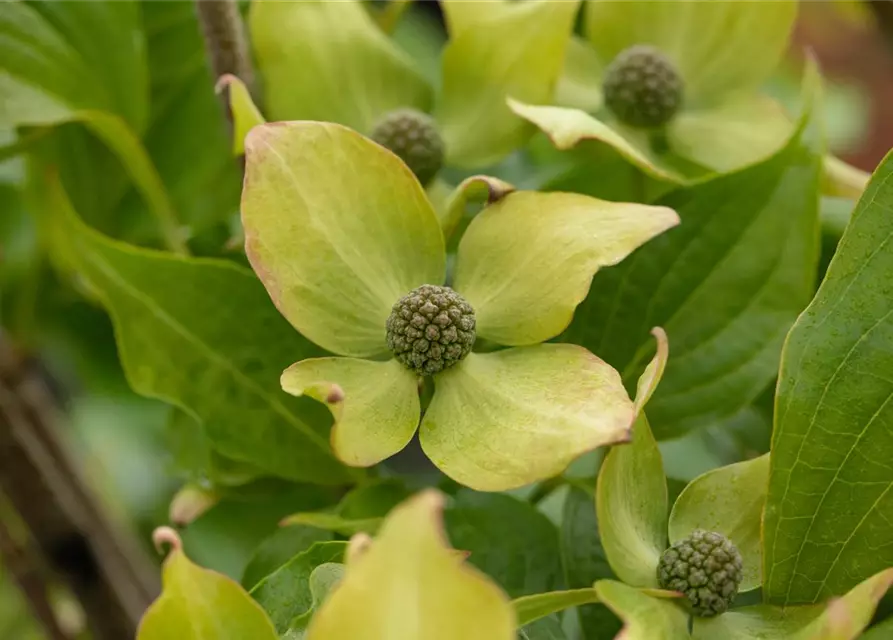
430	329
414	138
642	87
706	567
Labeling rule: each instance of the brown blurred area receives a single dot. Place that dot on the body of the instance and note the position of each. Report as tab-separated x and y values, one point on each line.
853	43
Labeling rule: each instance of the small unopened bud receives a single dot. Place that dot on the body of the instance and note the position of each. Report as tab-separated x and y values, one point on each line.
642	87
414	138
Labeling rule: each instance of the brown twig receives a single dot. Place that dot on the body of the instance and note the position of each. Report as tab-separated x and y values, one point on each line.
107	573
225	43
22	561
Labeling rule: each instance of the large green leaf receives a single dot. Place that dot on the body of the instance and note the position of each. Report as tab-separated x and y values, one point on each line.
202	334
198	604
830	504
329	61
726	285
507	539
585	561
338	229
516	50
285	593
408	584
55	59
275	551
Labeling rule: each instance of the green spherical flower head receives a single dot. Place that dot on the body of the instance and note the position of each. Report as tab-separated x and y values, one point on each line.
706	567
431	329
414	138
642	87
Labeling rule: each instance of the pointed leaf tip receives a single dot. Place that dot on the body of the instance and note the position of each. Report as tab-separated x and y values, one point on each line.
166	536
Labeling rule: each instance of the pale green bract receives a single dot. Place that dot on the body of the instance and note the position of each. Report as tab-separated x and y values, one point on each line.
338	230
724	123
329	61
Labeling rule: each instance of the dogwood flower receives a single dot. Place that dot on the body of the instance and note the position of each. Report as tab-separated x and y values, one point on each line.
350	250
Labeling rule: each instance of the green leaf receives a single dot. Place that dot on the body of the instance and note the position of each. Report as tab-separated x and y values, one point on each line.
410	570
517	50
543	629
198	604
337	228
507	539
631	503
279	548
729	501
711	43
841	618
527	261
632	523
725	285
201	334
328	61
530	608
568	127
226	536
645	616
285	593
829	503
375	404
323	579
56	61
879	631
504	419
485	188
188	138
245	113
585	561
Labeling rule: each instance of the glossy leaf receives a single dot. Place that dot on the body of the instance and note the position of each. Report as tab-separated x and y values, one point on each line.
375	404
218	363
285	593
585	561
328	61
711	43
842	618
506	538
829	503
527	261
409	569
286	543
645	617
530	608
336	259
245	113
632	525
495	415
517	50
198	604
725	285
730	501
56	61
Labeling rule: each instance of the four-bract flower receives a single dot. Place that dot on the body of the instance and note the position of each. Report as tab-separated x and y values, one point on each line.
329	61
695	69
349	248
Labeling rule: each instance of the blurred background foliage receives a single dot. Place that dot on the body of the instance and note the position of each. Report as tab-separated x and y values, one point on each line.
144	61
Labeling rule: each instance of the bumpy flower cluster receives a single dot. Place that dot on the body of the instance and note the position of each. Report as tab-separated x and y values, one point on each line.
706	567
414	138
431	329
642	87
